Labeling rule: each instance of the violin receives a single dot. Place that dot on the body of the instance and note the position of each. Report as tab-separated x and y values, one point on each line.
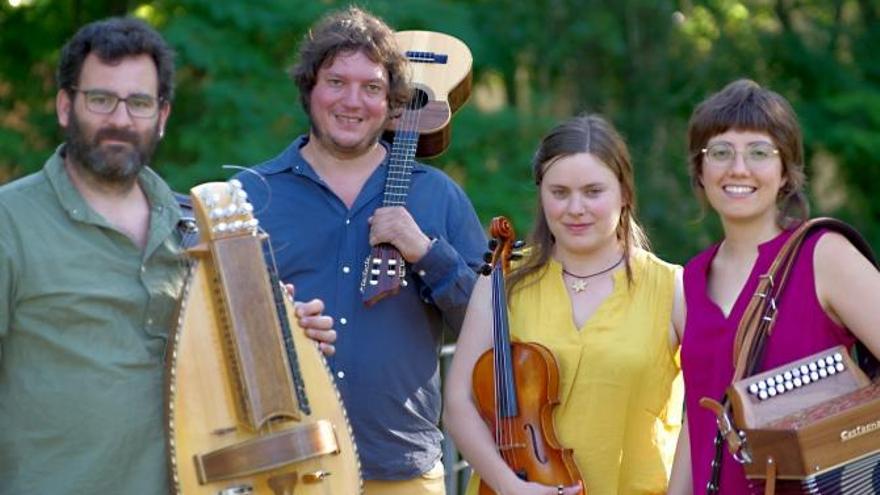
516	388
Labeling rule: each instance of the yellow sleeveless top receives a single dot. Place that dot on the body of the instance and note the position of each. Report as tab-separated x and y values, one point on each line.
620	380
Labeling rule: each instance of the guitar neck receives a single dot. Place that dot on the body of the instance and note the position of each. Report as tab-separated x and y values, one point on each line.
400	163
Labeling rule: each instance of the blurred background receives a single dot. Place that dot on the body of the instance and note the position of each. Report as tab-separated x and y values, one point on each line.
642	63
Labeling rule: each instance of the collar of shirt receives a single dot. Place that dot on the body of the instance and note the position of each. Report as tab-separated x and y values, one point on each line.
164	211
291	160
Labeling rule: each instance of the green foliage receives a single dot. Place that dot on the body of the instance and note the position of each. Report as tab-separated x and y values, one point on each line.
642	63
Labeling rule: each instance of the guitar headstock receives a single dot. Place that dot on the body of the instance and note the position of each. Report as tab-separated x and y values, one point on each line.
384	273
222	210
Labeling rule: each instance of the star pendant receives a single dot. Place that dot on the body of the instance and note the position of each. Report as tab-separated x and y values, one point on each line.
579	285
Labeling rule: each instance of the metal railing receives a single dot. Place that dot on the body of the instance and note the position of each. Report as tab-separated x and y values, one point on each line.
457	469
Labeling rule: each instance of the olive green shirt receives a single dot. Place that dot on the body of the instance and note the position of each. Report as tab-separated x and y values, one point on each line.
84	317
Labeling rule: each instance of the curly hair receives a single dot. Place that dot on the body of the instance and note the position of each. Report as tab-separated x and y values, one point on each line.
351	30
111	40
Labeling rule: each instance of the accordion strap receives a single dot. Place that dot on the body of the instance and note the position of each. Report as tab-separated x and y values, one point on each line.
756	325
759	317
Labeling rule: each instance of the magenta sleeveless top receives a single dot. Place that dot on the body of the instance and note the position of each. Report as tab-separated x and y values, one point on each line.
802	328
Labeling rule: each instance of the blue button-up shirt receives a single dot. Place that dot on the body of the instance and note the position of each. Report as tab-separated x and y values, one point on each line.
386	364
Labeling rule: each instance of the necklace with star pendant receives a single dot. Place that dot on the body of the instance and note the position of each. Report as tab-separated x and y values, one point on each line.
579	284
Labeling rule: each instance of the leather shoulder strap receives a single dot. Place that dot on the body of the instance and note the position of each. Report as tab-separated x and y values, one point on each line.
760	315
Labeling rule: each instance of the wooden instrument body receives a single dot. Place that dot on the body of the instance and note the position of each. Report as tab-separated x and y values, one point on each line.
446	85
809	430
516	388
531	444
227	433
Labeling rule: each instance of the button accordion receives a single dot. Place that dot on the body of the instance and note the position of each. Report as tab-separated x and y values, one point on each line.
811	426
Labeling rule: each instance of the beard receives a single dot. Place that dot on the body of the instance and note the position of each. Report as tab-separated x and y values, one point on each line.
112	164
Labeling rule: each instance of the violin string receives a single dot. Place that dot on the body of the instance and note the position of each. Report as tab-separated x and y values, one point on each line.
498	365
502	350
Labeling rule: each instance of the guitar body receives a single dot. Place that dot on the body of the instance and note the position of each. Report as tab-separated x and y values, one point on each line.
440	67
228	433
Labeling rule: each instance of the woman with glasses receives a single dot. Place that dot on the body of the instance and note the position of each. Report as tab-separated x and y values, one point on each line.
746	163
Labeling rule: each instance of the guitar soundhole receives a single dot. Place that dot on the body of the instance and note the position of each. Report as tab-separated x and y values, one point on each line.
419	99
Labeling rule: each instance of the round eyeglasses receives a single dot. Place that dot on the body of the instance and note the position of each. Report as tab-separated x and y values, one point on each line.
754	155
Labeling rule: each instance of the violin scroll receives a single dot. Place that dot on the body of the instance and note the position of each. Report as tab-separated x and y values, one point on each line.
502	247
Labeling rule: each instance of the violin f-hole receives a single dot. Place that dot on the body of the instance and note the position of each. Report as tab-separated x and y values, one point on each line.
537	444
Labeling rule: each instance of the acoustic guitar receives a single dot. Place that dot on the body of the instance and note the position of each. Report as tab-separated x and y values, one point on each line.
440	67
250	402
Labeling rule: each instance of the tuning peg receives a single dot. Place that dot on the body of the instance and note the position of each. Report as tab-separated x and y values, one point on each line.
516	256
487	257
493	244
519	244
485	269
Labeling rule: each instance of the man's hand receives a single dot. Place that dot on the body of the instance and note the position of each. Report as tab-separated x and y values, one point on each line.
317	326
394	225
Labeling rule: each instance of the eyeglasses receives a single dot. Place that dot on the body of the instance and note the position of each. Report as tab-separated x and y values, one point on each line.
755	154
104	103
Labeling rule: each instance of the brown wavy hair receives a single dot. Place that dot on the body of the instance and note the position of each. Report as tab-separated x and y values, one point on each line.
349	31
586	133
744	105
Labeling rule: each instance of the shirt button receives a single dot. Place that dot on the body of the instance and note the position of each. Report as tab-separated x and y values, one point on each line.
143	269
149	321
421	273
345	269
340	374
347	221
343	320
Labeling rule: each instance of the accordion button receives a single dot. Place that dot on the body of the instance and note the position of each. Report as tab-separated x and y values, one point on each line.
832	370
772	391
823	373
829	360
753	388
789	385
763	395
804	369
797	382
806	379
796	372
840	366
813	366
780	388
787	376
838	357
762	385
778	379
814	376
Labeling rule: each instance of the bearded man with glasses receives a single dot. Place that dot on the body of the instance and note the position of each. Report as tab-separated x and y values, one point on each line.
90	274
